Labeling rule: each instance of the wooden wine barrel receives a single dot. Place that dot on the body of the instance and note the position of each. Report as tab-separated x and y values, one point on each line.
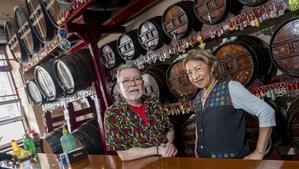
155	84
214	11
14	42
50	143
88	134
151	86
115	92
189	135
243	59
151	35
55	9
284	47
128	46
179	19
74	72
265	66
41	24
33	92
293	122
178	82
252	2
109	55
28	38
44	77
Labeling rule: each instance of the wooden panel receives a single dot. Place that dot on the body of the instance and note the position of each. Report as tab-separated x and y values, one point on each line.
179	83
235	62
284	47
113	162
211	11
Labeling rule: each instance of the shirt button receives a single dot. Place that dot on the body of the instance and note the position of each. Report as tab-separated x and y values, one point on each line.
201	146
201	130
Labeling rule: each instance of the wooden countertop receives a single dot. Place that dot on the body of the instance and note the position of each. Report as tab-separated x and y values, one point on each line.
50	161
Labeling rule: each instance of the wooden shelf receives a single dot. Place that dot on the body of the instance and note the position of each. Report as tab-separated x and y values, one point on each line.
49	48
39	57
44	53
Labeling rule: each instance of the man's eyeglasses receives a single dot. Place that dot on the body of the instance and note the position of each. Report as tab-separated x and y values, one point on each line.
136	80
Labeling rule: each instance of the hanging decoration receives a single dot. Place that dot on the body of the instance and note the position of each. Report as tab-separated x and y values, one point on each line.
179	108
293	5
70	98
274	90
64	44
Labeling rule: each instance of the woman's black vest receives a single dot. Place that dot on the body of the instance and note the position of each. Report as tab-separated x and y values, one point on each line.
220	127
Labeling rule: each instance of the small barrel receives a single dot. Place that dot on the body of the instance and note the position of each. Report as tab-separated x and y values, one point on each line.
115	92
55	9
74	72
252	2
50	143
265	67
128	46
28	38
243	59
41	24
33	92
151	86
212	12
44	77
179	19
88	134
189	135
109	55
155	84
14	42
284	47
178	82
151	35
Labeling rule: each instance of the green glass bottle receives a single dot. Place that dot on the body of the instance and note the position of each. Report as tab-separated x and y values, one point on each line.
29	145
67	141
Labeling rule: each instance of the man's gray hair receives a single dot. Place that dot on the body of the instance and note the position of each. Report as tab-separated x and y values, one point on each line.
126	66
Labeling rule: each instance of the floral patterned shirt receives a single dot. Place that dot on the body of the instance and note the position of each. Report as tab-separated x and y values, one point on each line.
125	129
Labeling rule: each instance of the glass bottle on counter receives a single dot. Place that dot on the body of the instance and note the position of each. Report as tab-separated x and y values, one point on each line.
29	145
67	141
17	151
14	146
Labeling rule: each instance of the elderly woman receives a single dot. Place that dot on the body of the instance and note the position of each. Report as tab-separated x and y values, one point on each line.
220	109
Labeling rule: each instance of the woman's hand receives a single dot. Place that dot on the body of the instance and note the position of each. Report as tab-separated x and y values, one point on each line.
167	150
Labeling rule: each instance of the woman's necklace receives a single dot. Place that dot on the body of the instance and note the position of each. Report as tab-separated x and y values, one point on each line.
207	92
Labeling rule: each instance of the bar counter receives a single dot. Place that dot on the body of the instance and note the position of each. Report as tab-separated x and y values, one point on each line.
50	161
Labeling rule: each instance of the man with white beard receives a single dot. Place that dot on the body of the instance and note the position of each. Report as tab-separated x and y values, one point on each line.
136	126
